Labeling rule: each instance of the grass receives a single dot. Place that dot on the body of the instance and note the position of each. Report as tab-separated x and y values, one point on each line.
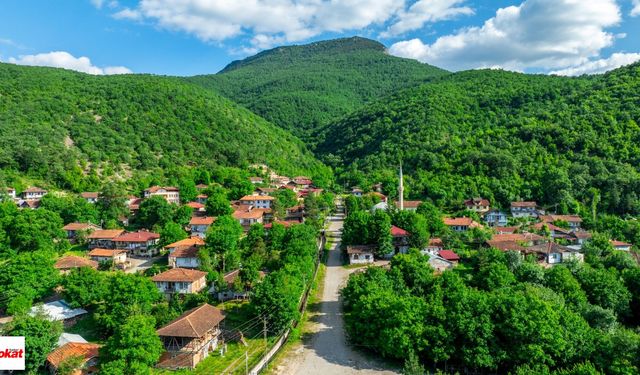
86	327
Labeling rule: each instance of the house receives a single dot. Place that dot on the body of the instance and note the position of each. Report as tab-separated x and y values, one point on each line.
180	280
495	218
555	231
190	338
202	198
185	257
67	263
247	216
400	240
103	238
91	197
360	254
72	229
196	206
228	292
256	180
461	224
257	201
200	225
438	263
380	206
142	243
58	311
409	205
264	191
435	245
88	352
573	220
505	230
295	213
619	245
191	241
170	193
115	256
526	239
33	193
356	192
450	256
134	203
302	182
524	209
66	338
551	253
28	204
479	205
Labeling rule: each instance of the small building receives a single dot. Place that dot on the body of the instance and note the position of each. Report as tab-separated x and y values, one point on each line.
247	216
256	180
505	230
67	263
356	192
142	243
264	191
72	229
526	239
134	203
228	292
461	224
495	218
201	187
295	213
479	205
196	206
555	231
257	201
190	338
58	311
202	198
170	193
28	204
180	280
574	221
400	240
66	338
115	256
185	257
450	256
302	182
103	238
409	205
580	237
191	241
551	253
89	196
33	193
620	245
360	254
89	353
435	245
438	263
524	209
200	225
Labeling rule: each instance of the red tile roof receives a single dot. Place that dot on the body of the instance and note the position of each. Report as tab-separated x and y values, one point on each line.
79	226
524	204
617	243
105	234
191	241
185	252
140	236
398	232
73	349
72	261
35	190
409	204
460	221
195	205
105	252
448	255
179	274
205	220
503	230
256	198
193	323
248	214
476	202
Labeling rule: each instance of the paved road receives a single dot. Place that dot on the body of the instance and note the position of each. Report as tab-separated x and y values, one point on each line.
327	351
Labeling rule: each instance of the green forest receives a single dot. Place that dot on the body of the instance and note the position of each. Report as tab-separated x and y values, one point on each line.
563	142
302	87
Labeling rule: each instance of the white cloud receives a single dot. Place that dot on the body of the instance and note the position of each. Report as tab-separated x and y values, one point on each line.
61	59
636	8
97	3
129	14
424	11
616	60
537	34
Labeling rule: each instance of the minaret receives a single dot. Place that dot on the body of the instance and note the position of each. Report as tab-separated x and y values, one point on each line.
401	189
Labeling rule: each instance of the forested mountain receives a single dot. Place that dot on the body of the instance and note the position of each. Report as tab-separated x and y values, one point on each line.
301	87
61	126
503	136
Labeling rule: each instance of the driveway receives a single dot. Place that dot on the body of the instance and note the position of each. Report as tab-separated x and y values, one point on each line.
327	351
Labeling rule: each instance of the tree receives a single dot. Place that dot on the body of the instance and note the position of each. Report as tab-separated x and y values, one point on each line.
112	202
31	230
172	232
561	280
28	274
414	269
84	287
135	344
413	223
431	213
605	289
70	208
40	335
356	228
380	233
218	204
182	215
154	211
188	189
70	365
412	365
277	297
222	240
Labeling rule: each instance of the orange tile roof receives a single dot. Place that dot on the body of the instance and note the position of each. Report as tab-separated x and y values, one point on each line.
193	323
398	232
89	194
251	214
408	204
35	190
257	198
155	189
72	261
79	226
185	252
460	221
105	234
433	242
73	349
191	241
179	274
195	205
524	204
140	236
525	237
97	252
205	220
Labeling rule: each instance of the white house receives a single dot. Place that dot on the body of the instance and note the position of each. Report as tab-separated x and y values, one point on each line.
200	225
170	193
185	257
180	280
115	256
141	243
460	224
619	245
524	209
495	218
33	193
11	192
91	197
360	254
257	201
479	205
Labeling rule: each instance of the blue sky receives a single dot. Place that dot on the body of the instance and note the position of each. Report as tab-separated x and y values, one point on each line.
188	37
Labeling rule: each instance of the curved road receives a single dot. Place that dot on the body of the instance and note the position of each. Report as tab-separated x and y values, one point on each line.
326	351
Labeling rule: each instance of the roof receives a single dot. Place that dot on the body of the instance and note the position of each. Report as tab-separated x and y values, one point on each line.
255	179
57	310
89	195
230	277
616	243
193	323
567	218
477	202
548	247
525	237
584	235
398	232
73	349
155	189
257	198
248	214
134	203
433	242
185	252
460	221
360	249
202	196
70	337
191	241
505	245
286	224
179	274
448	255
503	230
195	205
409	204
202	186
303	181
105	234
105	252
35	190
524	204
80	226
204	220
72	261
140	236
266	190
539	226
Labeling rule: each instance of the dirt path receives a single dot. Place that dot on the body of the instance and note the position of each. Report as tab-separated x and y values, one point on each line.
326	351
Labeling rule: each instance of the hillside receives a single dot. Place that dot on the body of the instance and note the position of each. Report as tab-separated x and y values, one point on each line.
59	125
302	87
503	136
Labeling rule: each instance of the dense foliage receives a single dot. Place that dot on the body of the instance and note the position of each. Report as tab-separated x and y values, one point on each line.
502	136
302	87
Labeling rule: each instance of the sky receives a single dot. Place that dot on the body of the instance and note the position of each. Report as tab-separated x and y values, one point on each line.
189	37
